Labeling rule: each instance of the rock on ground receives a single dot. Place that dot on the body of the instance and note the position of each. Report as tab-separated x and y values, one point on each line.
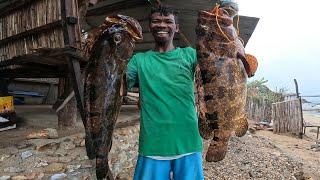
249	157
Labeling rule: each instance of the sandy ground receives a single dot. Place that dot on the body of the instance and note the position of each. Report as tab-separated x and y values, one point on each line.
300	149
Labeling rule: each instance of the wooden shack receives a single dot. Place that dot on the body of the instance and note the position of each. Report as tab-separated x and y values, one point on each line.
36	36
41	39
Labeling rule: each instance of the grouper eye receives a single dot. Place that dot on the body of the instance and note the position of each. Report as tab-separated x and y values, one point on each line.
117	38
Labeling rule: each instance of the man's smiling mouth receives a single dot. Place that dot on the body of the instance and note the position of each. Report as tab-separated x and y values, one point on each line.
162	32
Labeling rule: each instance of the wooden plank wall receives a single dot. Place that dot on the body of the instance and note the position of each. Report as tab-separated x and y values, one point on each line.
35	25
287	117
30	17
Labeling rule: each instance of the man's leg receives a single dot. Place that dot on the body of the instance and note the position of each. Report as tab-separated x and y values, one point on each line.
151	169
188	167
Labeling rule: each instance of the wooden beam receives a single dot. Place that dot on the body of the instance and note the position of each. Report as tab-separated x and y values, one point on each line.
29	72
300	104
31	31
108	7
63	101
33	65
62	52
3	87
47	60
47	81
64	19
75	76
33	58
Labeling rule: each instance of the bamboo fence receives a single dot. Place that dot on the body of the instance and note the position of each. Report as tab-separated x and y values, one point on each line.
36	25
287	117
258	109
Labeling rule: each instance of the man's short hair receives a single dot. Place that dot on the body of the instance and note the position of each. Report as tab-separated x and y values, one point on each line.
164	10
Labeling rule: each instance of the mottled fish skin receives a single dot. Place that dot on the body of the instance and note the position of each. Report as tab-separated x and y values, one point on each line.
241	124
220	82
109	56
104	79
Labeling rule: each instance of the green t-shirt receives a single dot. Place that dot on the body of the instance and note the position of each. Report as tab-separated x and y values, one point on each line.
168	123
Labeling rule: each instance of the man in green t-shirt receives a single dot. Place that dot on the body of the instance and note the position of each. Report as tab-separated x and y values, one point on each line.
169	143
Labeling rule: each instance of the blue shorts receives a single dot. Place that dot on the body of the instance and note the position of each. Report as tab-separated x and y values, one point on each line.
185	168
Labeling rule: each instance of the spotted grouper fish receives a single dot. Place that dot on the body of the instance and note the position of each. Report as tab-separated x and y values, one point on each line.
221	80
109	47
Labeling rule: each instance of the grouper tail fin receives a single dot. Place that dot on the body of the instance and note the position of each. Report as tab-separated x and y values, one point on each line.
218	146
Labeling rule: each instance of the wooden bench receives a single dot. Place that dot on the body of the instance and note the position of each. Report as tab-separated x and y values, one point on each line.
307	125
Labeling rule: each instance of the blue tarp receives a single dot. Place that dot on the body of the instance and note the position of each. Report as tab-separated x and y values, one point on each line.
19	96
25	93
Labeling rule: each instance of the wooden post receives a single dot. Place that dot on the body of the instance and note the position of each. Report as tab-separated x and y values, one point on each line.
82	11
75	76
300	101
50	89
4	87
67	116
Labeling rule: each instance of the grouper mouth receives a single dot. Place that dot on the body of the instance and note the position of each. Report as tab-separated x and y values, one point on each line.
114	23
129	24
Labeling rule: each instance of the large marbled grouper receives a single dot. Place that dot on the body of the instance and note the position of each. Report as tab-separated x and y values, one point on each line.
221	79
109	47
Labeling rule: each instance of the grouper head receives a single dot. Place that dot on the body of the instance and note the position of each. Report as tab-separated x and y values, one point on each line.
115	38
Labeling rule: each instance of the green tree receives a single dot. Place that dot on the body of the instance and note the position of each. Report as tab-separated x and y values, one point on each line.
259	92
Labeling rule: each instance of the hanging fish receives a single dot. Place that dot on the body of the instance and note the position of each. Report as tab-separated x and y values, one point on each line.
221	79
109	47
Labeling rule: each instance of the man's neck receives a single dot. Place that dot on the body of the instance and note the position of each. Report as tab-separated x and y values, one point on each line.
164	47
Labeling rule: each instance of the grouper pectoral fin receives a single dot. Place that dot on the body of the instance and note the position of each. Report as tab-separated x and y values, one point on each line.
241	126
205	130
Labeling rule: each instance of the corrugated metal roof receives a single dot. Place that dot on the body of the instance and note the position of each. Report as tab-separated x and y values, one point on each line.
140	10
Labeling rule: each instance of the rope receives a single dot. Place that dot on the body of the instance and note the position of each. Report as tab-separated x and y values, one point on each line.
238	20
241	40
216	11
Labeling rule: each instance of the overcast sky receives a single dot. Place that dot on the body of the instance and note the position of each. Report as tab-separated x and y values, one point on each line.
286	42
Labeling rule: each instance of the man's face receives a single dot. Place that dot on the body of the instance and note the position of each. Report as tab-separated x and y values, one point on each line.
163	27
